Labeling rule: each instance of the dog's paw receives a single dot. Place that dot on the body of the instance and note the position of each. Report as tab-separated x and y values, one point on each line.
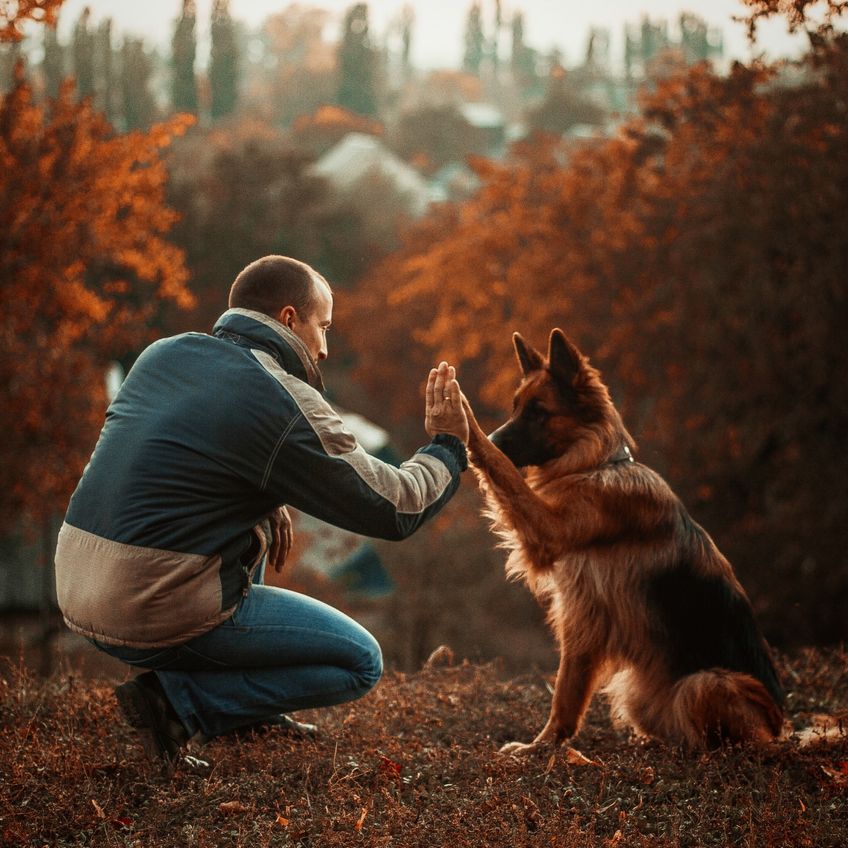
521	749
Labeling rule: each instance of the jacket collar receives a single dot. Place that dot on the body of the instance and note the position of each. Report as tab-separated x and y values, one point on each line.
256	329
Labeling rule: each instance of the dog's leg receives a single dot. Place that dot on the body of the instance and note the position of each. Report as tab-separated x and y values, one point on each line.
573	690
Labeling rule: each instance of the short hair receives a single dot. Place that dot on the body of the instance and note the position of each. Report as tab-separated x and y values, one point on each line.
273	282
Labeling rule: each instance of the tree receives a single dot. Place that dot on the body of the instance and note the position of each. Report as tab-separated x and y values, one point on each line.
82	51
139	105
104	69
698	257
84	262
53	64
183	50
565	105
475	41
223	61
357	64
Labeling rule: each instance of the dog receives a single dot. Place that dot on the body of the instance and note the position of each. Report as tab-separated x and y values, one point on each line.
638	595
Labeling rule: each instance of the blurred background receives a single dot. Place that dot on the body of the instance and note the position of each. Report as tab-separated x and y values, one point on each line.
666	181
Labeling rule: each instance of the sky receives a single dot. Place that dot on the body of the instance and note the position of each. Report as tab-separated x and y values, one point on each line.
439	26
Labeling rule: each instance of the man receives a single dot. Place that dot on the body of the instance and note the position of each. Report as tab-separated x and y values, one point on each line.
160	559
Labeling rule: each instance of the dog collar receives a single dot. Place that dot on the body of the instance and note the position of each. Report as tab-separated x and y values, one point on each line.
621	455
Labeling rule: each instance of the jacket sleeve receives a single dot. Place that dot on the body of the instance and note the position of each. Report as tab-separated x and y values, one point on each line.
320	468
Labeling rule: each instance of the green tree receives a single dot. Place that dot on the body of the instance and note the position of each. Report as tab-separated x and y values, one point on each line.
53	63
183	51
223	61
83	55
475	41
104	67
357	64
139	105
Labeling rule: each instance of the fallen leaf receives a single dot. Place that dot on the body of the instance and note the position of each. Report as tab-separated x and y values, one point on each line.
282	820
389	766
358	826
232	807
576	758
98	809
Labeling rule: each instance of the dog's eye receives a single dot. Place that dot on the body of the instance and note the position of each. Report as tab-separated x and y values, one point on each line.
538	411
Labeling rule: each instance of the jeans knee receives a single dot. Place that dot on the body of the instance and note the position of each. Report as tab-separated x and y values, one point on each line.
370	669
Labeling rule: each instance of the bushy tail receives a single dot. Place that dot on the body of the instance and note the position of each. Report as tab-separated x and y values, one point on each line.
702	710
717	706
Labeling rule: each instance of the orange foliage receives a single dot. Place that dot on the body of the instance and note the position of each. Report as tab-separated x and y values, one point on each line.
699	258
84	261
13	13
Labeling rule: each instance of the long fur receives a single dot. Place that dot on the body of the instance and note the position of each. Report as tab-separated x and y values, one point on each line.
635	590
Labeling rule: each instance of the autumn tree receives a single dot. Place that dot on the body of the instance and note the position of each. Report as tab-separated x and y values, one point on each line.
698	257
223	61
84	260
183	51
15	13
357	88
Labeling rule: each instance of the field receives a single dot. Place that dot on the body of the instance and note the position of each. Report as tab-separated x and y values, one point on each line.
415	763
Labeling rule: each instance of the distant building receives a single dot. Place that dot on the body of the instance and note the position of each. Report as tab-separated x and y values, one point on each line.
359	158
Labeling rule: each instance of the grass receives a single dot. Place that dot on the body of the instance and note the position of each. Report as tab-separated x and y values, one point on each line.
412	764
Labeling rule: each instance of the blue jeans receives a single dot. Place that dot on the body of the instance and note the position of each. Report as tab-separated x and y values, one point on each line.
280	651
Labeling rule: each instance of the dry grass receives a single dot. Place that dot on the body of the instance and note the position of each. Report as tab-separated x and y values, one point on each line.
414	764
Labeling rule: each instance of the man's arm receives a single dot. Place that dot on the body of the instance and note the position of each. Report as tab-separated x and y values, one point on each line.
320	468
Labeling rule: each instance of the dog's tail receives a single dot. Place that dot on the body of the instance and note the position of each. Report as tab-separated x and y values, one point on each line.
704	709
717	706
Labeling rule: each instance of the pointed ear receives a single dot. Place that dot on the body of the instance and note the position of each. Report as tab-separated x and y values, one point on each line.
564	360
528	358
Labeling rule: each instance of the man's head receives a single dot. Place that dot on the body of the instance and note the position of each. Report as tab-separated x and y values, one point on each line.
293	293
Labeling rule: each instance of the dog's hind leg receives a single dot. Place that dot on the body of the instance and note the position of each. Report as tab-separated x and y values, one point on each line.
575	683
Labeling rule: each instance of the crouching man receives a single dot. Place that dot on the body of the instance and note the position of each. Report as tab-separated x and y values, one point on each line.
161	556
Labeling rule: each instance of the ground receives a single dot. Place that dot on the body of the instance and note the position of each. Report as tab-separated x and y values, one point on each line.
415	763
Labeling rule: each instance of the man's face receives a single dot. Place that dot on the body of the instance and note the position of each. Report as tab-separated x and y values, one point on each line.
312	328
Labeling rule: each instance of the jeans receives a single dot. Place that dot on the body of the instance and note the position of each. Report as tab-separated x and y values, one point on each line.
280	651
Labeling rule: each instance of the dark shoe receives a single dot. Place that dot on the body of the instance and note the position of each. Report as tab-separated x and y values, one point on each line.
146	709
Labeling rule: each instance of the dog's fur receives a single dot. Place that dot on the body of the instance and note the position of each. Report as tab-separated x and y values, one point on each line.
639	596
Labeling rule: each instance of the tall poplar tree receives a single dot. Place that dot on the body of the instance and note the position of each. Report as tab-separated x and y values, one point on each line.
139	106
356	64
183	52
475	41
83	55
53	63
224	61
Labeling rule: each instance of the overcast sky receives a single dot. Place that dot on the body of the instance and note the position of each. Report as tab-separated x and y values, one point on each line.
437	37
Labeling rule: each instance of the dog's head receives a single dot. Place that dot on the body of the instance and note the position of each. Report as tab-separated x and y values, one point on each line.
560	403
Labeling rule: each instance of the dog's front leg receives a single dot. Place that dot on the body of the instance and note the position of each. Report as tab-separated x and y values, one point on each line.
575	682
523	509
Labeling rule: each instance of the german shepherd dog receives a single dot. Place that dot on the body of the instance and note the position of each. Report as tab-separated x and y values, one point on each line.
638	594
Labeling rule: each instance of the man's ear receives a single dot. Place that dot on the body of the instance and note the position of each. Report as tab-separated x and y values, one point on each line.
528	358
287	316
564	360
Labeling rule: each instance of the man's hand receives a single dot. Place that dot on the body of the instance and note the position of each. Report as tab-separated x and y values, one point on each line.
443	412
281	538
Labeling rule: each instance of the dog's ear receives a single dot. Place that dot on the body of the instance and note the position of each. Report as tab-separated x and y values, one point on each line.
528	358
564	360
